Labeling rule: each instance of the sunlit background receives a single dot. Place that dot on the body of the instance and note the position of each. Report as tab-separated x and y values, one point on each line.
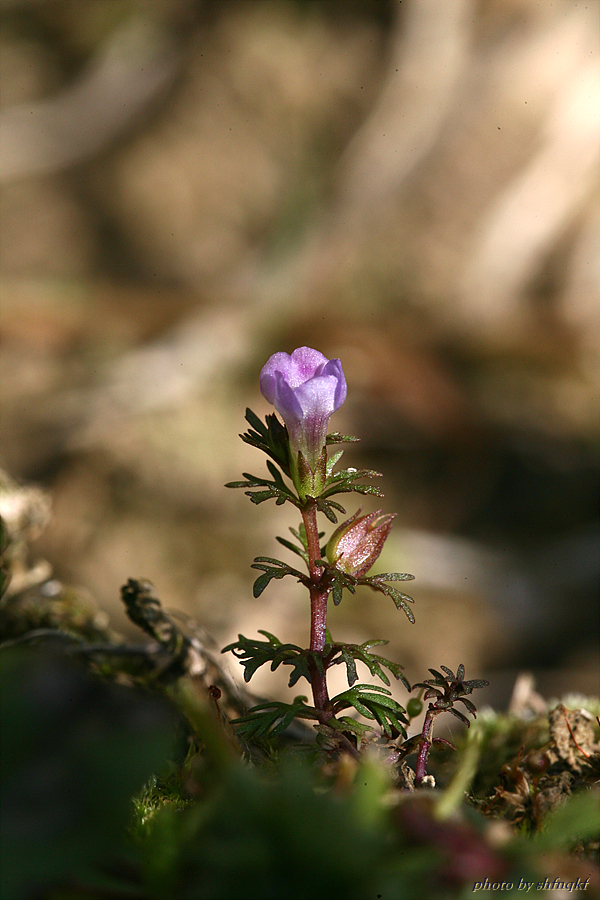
188	187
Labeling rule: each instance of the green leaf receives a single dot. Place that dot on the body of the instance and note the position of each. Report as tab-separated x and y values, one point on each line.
271	438
331	462
277	479
345	723
261	582
339	581
272	718
376	703
327	507
376	583
337	593
293	548
299	671
369	489
300	536
348	659
254	653
343	482
261	496
274	641
360	652
458	715
336	438
273	568
348	654
273	490
440	679
577	820
394	576
352	474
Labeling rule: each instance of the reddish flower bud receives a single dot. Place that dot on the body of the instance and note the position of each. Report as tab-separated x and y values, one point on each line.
355	546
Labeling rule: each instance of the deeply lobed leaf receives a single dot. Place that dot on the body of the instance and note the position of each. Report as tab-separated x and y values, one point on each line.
272	718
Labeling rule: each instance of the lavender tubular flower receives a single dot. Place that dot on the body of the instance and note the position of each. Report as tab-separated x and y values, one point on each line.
355	546
306	389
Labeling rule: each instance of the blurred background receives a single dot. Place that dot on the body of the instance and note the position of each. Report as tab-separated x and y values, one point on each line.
189	186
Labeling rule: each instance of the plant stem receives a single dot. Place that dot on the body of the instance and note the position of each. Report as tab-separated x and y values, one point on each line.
425	745
319	593
309	517
318	618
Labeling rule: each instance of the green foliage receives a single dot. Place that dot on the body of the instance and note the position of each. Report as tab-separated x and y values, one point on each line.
401	601
272	718
273	568
341	581
329	508
271	438
112	792
269	835
300	535
375	703
332	735
336	438
196	832
253	654
571	823
74	750
287	833
348	654
344	481
271	489
449	689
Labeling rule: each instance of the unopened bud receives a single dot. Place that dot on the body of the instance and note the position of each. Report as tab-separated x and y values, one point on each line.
355	546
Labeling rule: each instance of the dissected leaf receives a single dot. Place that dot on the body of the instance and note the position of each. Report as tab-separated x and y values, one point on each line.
273	568
272	718
377	583
376	703
336	438
350	653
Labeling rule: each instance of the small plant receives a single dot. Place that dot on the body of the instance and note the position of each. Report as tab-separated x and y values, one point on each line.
306	389
447	690
160	803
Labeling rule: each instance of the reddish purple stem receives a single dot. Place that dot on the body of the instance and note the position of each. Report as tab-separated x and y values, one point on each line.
425	744
318	608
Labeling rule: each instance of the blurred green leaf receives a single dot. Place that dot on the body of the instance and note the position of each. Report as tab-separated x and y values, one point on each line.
269	835
74	751
576	820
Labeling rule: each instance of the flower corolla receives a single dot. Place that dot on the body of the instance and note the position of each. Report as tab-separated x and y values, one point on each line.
305	388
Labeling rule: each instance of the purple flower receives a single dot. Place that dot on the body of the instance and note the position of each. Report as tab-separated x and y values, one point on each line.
356	544
305	389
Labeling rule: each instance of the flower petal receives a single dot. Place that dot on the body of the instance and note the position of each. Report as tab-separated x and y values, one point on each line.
305	363
305	389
